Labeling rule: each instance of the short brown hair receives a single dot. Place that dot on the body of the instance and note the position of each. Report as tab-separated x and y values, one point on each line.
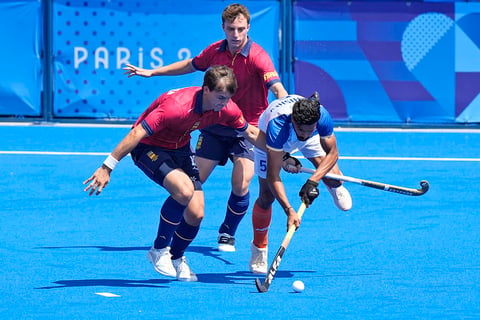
220	78
231	12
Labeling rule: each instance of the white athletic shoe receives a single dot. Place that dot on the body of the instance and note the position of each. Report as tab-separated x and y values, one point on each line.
341	197
183	270
258	259
162	261
226	242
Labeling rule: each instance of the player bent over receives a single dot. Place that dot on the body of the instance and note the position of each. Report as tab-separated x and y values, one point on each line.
292	123
159	143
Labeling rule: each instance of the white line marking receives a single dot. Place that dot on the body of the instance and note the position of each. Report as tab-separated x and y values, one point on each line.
107	294
338	127
410	158
405	130
55	153
69	153
65	125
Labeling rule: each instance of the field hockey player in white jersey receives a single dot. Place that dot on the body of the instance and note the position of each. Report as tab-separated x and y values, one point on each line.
292	123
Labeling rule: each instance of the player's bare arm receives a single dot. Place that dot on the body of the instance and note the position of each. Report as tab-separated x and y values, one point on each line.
255	136
176	68
275	162
101	177
326	163
278	90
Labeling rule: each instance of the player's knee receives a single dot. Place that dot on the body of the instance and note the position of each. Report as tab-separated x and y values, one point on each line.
183	195
265	199
240	186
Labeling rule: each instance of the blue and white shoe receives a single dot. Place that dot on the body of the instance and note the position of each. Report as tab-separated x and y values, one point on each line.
226	242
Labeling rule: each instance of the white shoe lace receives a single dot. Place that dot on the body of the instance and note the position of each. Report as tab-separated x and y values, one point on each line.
183	268
259	257
184	272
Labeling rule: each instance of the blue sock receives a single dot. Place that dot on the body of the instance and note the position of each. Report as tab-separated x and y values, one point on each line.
182	238
170	216
236	209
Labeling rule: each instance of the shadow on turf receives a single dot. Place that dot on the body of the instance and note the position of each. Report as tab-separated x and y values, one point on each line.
206	251
151	283
239	277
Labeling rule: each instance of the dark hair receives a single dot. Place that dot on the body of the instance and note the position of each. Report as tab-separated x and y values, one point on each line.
220	78
231	12
306	111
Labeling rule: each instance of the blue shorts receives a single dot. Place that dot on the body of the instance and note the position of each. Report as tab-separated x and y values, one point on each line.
221	148
157	162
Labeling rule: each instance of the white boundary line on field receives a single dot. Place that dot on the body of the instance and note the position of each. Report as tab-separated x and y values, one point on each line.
401	158
405	130
64	125
55	153
409	158
338	127
68	153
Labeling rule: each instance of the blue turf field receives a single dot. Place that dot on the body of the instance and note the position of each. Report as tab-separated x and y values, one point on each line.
390	257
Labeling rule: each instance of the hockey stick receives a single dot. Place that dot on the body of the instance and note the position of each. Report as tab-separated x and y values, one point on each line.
377	185
263	287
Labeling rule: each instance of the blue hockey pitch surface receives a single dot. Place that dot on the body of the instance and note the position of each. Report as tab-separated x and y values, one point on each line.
65	255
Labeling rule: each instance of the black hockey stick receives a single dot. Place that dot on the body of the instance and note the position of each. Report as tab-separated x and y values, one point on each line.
424	185
263	287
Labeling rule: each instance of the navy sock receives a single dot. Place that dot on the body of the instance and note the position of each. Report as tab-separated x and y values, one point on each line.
182	238
170	216
236	209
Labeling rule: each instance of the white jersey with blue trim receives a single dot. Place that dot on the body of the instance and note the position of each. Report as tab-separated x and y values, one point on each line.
276	122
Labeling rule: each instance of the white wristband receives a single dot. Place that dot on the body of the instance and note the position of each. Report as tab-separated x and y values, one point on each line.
110	162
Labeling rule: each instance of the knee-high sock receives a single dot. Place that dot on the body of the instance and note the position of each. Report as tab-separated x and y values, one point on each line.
236	209
170	216
261	219
182	238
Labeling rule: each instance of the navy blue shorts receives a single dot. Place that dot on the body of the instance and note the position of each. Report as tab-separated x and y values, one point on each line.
157	162
221	148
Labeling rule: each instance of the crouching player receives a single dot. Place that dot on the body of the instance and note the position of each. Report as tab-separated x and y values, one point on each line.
292	123
159	143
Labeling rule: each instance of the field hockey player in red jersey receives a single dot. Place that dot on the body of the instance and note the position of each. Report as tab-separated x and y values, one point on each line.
159	143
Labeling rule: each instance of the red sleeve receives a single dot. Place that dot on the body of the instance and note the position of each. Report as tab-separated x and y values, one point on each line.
264	66
152	117
203	61
154	121
160	113
233	117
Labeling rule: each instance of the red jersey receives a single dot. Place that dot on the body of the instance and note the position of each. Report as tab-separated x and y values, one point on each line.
253	69
171	118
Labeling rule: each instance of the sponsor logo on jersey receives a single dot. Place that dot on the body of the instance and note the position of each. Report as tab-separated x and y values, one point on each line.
269	75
